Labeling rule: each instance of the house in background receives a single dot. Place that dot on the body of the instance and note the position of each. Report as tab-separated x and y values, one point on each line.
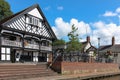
26	36
113	49
87	47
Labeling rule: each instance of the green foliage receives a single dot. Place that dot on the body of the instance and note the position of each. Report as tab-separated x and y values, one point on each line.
4	9
73	44
58	42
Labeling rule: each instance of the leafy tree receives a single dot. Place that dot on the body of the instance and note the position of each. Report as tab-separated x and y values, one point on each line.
73	44
4	9
58	42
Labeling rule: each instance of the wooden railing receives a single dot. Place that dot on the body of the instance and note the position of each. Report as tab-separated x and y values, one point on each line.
32	46
11	43
28	45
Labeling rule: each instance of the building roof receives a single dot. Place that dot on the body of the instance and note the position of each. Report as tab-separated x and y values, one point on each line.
2	22
114	48
87	43
92	48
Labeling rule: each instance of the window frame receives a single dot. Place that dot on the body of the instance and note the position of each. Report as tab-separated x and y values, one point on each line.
33	20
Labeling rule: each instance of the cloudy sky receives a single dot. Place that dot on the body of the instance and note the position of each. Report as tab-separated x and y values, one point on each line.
95	18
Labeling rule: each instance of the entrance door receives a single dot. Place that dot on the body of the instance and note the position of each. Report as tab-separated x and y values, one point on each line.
13	51
5	54
27	56
42	57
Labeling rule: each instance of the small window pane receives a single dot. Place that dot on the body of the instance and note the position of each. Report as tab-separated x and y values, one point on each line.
30	20
33	21
7	50
2	50
8	57
37	22
2	56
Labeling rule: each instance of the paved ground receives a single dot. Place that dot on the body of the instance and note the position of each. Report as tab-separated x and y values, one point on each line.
80	76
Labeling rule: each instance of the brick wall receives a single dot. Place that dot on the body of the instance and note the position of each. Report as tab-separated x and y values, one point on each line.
80	68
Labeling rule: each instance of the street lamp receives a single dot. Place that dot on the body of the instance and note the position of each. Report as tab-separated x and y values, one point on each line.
98	42
98	46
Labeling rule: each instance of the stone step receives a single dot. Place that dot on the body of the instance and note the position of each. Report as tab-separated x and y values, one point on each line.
15	77
13	72
26	71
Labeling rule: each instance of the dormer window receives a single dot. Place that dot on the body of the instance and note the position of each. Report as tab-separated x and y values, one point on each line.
33	20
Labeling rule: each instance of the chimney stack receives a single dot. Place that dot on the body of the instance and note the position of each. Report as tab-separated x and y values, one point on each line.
113	41
88	39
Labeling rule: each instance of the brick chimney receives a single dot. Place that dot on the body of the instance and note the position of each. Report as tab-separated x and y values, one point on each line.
88	38
113	40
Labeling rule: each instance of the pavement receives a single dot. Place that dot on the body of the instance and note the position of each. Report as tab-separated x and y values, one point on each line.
76	76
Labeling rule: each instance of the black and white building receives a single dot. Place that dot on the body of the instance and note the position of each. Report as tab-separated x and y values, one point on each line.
26	36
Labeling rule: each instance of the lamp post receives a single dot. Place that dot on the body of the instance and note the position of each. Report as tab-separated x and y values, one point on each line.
98	47
98	43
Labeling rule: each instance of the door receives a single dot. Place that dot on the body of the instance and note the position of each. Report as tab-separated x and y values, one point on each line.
13	51
42	57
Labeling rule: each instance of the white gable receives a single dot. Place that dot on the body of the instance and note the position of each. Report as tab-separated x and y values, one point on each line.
35	13
32	24
87	47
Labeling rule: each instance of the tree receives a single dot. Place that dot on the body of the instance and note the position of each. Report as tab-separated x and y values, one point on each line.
4	9
58	42
73	44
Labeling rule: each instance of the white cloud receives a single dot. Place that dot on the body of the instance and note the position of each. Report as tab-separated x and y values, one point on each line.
62	28
118	10
97	29
109	13
105	33
112	13
60	8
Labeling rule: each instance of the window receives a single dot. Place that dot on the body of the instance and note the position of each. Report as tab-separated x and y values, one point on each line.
34	21
30	20
5	53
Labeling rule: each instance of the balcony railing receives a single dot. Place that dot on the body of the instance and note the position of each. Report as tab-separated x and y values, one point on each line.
11	43
46	48
32	46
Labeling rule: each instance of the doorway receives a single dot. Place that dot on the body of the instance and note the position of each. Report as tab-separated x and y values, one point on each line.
42	57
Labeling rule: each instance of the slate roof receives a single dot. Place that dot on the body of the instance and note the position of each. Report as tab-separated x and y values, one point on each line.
92	48
10	18
114	48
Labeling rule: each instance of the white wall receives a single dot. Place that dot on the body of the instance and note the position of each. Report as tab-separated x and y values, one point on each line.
36	13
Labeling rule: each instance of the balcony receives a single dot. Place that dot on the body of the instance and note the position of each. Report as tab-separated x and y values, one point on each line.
11	43
46	48
32	46
26	45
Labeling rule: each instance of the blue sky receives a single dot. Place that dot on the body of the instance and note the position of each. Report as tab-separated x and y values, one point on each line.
96	18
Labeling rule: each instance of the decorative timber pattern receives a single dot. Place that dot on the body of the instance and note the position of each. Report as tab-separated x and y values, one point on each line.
28	21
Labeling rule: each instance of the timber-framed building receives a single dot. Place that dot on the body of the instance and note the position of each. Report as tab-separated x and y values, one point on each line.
26	36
